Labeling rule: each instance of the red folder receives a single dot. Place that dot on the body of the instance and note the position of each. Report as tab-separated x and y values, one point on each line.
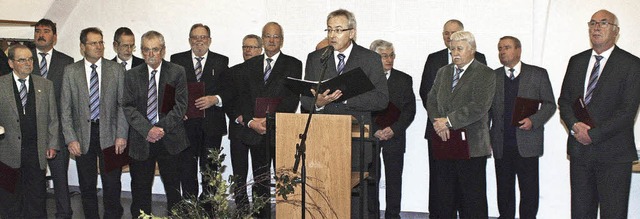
8	178
456	148
581	112
388	117
523	108
168	98
114	161
265	105
196	90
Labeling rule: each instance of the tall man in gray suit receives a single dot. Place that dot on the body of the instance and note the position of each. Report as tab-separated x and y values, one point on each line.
49	63
601	153
347	55
154	135
27	106
92	118
516	148
460	99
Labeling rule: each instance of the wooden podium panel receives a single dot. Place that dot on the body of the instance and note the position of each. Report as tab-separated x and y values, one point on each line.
328	164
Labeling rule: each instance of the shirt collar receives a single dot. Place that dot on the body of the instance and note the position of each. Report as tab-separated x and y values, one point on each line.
98	63
517	68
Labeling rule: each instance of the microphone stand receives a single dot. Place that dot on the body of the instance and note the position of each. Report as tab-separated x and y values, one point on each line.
301	147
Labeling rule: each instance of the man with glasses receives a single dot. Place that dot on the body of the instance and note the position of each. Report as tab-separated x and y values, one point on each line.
601	152
93	120
49	63
154	134
434	62
124	43
347	55
27	105
264	76
251	47
202	65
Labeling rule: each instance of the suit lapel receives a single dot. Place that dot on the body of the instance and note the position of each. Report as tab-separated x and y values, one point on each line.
7	86
40	97
83	87
207	69
605	73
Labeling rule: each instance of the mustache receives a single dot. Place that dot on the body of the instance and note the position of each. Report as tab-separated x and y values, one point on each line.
41	39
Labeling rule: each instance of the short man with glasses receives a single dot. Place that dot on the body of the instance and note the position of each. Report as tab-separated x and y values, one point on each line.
601	151
347	55
154	135
49	63
264	76
124	43
28	106
202	65
251	47
93	120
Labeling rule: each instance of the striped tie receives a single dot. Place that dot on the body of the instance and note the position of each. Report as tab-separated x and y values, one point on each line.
267	71
593	80
456	78
94	94
23	94
340	63
43	65
124	64
199	68
512	75
152	99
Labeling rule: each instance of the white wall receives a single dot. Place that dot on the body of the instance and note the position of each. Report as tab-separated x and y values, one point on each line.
551	32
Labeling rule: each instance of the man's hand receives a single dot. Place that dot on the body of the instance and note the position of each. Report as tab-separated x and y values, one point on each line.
326	98
581	133
440	124
444	134
384	134
121	144
155	134
239	120
51	153
74	148
205	102
525	124
259	125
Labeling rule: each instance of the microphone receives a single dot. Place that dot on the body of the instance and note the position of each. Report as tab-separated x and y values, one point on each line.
325	55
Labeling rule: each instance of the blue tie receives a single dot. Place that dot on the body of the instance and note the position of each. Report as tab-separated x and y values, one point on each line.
456	78
267	70
593	80
94	93
43	65
340	63
23	94
152	99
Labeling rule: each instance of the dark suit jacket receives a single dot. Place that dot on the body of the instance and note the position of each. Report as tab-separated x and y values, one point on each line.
401	95
613	107
56	70
135	109
468	105
361	105
213	76
434	62
4	64
285	66
47	120
232	106
76	110
534	84
136	61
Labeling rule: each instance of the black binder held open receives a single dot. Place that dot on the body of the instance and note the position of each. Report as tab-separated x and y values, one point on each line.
351	83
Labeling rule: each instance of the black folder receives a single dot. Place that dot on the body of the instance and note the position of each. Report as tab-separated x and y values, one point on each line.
523	108
388	116
8	177
351	83
265	105
114	161
581	112
455	148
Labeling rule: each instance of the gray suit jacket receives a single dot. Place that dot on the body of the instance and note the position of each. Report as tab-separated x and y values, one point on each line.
534	84
467	106
361	105
74	104
47	120
136	82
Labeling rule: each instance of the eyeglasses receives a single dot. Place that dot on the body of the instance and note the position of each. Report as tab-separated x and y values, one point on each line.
337	31
386	56
272	36
154	50
95	44
603	24
201	37
127	46
24	60
250	47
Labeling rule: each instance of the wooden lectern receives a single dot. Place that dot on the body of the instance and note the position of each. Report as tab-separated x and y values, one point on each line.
328	164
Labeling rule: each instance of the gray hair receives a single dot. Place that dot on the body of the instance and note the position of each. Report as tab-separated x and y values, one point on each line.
342	12
152	34
465	36
377	45
253	36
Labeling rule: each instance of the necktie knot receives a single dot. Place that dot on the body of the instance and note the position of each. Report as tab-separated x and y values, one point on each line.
341	56
94	66
512	73
269	60
43	54
598	58
199	58
22	80
153	73
124	63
